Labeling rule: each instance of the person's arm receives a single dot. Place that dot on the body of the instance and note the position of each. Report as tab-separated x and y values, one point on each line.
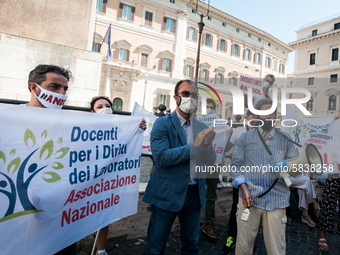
291	153
237	161
232	140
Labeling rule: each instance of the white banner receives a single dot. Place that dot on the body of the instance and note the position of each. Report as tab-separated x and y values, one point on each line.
64	175
150	119
223	132
321	132
248	82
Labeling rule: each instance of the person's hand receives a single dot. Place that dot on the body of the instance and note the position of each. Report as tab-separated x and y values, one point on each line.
206	136
246	197
222	162
142	125
336	117
265	91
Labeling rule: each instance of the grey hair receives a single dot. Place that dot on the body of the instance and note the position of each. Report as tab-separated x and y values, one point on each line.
271	76
262	102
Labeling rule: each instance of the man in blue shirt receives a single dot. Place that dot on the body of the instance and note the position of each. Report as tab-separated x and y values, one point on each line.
253	176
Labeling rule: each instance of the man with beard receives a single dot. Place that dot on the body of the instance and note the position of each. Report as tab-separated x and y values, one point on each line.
253	177
179	142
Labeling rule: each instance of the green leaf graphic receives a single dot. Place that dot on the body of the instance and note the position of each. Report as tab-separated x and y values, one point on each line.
150	125
29	135
54	177
16	163
3	156
60	140
47	146
44	134
12	152
63	151
59	165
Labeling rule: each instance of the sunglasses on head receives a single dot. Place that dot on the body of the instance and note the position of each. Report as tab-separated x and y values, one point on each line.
188	94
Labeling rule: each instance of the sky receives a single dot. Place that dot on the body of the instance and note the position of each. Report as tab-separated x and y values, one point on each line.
279	18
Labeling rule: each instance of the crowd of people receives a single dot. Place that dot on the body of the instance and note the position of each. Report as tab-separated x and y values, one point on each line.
179	142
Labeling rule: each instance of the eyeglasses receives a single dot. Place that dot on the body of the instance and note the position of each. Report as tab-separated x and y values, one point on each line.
185	93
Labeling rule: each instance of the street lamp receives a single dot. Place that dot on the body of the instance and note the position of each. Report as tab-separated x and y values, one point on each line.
200	29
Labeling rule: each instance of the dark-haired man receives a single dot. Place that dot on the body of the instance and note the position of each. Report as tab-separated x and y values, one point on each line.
48	85
178	143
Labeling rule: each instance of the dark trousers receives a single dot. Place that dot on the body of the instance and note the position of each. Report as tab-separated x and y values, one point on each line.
232	220
211	197
161	222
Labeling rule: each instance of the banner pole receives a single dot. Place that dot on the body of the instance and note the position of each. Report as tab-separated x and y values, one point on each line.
95	243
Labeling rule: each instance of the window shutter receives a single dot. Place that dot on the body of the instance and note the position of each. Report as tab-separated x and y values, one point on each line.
174	26
260	59
216	79
218	44
225	46
195	37
232	49
188	32
222	78
164	23
167	101
117	53
104	6
192	72
150	19
160	64
238	51
250	56
211	40
201	73
133	10
185	70
208	75
203	38
120	10
170	66
127	55
244	53
158	99
254	55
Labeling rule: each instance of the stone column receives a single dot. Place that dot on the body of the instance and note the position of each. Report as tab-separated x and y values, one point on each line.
108	83
263	62
179	47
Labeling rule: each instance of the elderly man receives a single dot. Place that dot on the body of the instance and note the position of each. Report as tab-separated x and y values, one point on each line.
178	143
251	154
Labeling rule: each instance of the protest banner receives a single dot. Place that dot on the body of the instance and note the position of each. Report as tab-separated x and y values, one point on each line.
223	132
64	175
150	119
321	132
248	82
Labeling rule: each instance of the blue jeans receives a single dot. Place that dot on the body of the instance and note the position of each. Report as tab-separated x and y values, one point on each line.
161	222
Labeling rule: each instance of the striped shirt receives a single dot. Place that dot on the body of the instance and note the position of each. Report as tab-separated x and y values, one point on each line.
247	163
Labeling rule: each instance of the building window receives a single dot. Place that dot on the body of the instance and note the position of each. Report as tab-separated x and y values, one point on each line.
96	47
205	74
144	60
222	46
220	78
123	55
99	6
207	39
193	11
237	30
247	54
268	62
189	71
334	78
332	103
127	12
169	25
269	44
249	35
224	24
337	26
312	59
259	39
310	104
335	54
172	1
311	81
148	18
258	58
166	65
162	99
192	34
236	50
233	81
314	32
117	104
282	68
209	18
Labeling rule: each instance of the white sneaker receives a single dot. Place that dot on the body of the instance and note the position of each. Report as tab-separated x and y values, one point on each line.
219	185
223	184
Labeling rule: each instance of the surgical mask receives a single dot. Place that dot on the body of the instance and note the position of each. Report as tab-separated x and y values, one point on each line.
266	85
267	124
187	104
51	99
104	110
210	111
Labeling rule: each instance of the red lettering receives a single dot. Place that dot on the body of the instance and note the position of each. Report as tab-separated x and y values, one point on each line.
65	217
56	101
70	197
49	99
116	199
133	179
96	191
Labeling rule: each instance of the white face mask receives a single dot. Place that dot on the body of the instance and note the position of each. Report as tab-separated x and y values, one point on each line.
50	99
188	104
104	110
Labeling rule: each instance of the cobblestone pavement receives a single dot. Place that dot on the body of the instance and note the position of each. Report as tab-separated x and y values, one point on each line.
301	239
